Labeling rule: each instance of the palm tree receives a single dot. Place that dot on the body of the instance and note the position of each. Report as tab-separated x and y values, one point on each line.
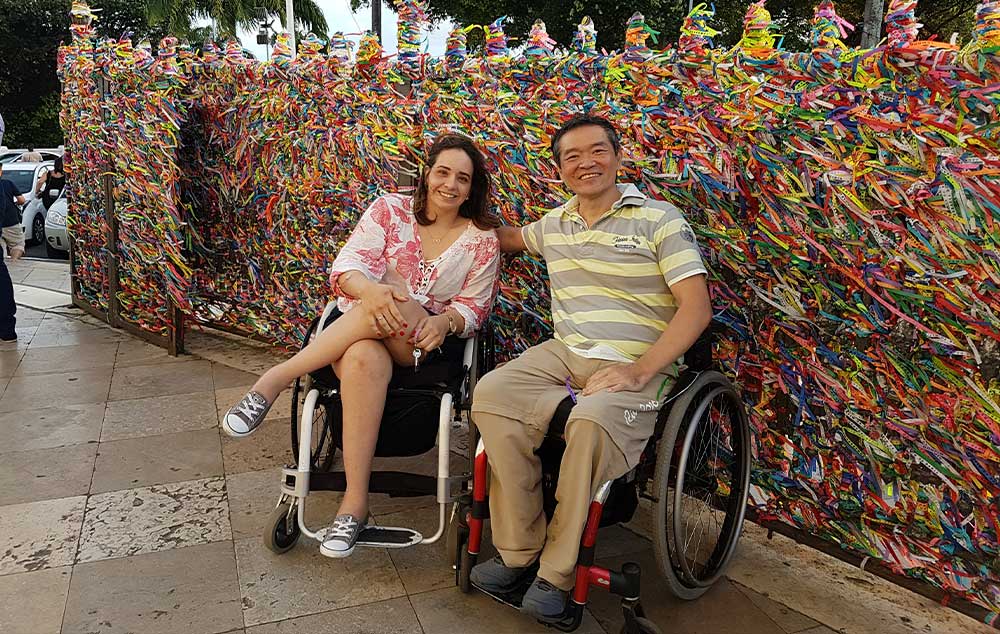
230	15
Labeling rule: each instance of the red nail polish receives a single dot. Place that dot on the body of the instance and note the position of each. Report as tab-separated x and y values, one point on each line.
402	332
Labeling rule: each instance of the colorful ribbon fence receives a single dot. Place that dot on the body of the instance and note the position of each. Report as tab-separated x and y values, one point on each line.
847	202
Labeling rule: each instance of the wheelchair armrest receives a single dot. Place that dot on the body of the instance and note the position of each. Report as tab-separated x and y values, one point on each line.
330	307
470	350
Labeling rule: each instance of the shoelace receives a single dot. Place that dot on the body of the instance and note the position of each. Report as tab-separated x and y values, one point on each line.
341	528
250	407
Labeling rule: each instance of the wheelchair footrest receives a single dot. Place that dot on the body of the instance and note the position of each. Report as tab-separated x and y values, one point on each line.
389	537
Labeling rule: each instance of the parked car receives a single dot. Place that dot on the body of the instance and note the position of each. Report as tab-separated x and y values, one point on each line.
56	237
10	155
25	176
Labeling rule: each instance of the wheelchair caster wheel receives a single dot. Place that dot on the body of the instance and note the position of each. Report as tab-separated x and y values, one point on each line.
282	529
641	625
465	571
458	534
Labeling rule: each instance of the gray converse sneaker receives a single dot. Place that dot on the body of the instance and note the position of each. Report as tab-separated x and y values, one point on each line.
340	538
496	577
246	416
544	601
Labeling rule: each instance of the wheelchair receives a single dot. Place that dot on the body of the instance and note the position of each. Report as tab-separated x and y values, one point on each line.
696	471
420	407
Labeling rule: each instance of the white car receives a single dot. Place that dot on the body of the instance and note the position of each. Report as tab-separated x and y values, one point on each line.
9	155
25	177
56	237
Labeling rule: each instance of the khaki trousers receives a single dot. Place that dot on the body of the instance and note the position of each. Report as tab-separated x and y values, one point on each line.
512	406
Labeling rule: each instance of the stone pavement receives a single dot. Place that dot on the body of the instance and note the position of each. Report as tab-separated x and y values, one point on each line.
124	509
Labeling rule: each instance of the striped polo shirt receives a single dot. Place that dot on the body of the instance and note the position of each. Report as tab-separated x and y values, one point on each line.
611	282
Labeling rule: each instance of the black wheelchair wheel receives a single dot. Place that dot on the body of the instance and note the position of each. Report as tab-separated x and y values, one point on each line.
702	482
465	571
458	532
324	451
282	529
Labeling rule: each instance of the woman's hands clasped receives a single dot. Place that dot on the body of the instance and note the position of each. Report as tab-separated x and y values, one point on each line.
379	303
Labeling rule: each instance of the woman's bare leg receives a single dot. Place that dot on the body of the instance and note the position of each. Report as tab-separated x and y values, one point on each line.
330	345
364	371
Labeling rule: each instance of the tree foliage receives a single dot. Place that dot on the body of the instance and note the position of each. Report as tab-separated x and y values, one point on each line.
792	18
231	15
30	34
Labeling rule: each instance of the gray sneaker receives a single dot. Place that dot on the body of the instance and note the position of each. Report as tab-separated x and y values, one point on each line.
340	538
496	577
544	601
246	416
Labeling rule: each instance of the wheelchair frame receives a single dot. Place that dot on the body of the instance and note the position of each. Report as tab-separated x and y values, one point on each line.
287	520
688	401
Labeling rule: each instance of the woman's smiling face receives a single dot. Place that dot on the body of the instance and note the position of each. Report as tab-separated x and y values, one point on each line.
449	180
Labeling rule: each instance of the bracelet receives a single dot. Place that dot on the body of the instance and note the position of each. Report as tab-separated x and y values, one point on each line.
451	323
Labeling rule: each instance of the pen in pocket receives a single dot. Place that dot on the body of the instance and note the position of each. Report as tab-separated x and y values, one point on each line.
569	388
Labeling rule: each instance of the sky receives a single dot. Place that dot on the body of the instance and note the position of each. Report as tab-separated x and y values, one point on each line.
340	18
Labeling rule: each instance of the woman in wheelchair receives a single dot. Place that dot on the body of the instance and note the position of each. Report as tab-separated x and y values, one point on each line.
414	271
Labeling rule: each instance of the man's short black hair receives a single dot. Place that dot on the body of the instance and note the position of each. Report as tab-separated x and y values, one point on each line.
580	120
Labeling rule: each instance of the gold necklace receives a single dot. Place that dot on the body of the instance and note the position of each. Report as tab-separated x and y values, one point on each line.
437	240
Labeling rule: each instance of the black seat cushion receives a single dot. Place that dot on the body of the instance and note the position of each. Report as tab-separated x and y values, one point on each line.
442	371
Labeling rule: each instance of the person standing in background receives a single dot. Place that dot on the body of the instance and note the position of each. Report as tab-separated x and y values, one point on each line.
13	236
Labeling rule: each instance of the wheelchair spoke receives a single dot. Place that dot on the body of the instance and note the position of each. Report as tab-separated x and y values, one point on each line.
705	488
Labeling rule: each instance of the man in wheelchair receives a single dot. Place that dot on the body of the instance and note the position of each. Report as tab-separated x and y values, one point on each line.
629	297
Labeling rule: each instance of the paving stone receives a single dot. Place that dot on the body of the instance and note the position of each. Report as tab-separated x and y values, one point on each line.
184	591
786	618
53	324
721	610
43	474
819	629
43	613
302	581
228	377
253	495
132	352
67	359
394	616
449	611
9	360
155	518
136	462
50	426
425	566
39	535
36	392
269	446
158	415
159	380
78	338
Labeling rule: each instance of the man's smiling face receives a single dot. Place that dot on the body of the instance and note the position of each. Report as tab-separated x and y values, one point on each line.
588	163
